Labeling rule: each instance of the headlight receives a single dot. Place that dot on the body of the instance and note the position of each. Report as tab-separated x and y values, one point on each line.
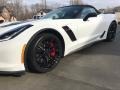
14	32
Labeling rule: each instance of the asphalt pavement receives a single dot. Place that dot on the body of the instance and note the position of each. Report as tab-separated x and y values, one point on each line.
94	68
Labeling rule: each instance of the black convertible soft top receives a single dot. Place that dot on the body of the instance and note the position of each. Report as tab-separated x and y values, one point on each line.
83	6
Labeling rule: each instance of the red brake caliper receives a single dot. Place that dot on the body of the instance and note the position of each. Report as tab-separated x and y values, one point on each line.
53	50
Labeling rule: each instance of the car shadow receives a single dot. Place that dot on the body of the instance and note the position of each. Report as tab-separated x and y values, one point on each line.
102	47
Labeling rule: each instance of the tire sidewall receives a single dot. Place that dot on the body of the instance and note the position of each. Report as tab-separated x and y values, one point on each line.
31	58
108	36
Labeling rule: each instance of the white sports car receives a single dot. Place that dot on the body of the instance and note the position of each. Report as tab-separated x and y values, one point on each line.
39	45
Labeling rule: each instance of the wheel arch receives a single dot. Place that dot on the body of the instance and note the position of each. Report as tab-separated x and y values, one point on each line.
114	21
55	32
46	30
108	39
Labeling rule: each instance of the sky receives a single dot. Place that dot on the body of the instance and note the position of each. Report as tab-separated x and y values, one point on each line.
97	3
103	3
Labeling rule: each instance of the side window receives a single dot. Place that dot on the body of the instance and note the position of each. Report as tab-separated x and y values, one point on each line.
93	10
86	11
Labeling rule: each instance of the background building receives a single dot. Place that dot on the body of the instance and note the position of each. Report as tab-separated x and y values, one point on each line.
41	13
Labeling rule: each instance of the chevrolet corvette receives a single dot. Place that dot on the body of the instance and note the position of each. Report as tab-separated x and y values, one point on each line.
39	45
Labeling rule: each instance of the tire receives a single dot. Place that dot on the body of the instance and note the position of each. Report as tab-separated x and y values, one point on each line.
44	53
111	32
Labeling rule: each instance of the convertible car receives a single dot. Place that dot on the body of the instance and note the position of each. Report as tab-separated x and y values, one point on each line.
38	46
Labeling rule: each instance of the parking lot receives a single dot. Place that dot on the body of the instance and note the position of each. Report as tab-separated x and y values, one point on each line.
94	68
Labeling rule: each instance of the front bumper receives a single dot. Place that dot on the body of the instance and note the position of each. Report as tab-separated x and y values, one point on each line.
13	73
10	56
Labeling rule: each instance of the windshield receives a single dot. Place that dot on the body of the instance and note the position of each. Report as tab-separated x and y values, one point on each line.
64	13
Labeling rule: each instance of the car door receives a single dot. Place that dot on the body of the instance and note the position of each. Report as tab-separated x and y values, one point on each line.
87	31
91	29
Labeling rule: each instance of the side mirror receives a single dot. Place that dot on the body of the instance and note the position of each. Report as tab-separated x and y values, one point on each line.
90	15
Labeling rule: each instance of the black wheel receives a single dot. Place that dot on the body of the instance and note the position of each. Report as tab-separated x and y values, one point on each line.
111	32
44	53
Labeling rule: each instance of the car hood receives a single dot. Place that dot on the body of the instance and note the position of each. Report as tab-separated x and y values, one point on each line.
43	23
7	26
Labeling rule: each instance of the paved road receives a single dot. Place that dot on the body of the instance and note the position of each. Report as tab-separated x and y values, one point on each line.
94	68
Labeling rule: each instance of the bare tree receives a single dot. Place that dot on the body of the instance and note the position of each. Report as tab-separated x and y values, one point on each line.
16	7
3	2
44	3
75	2
22	11
36	8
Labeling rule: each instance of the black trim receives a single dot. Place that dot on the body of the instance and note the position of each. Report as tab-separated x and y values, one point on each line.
70	33
23	28
83	6
103	34
12	73
14	32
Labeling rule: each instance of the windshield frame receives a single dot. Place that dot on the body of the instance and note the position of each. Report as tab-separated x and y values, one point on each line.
48	16
63	10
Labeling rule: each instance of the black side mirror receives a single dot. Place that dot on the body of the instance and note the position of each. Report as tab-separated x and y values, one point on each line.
90	15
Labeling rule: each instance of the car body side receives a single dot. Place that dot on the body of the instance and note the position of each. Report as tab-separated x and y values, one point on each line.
12	51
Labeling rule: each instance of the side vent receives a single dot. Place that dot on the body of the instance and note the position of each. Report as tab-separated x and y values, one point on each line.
70	33
103	34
